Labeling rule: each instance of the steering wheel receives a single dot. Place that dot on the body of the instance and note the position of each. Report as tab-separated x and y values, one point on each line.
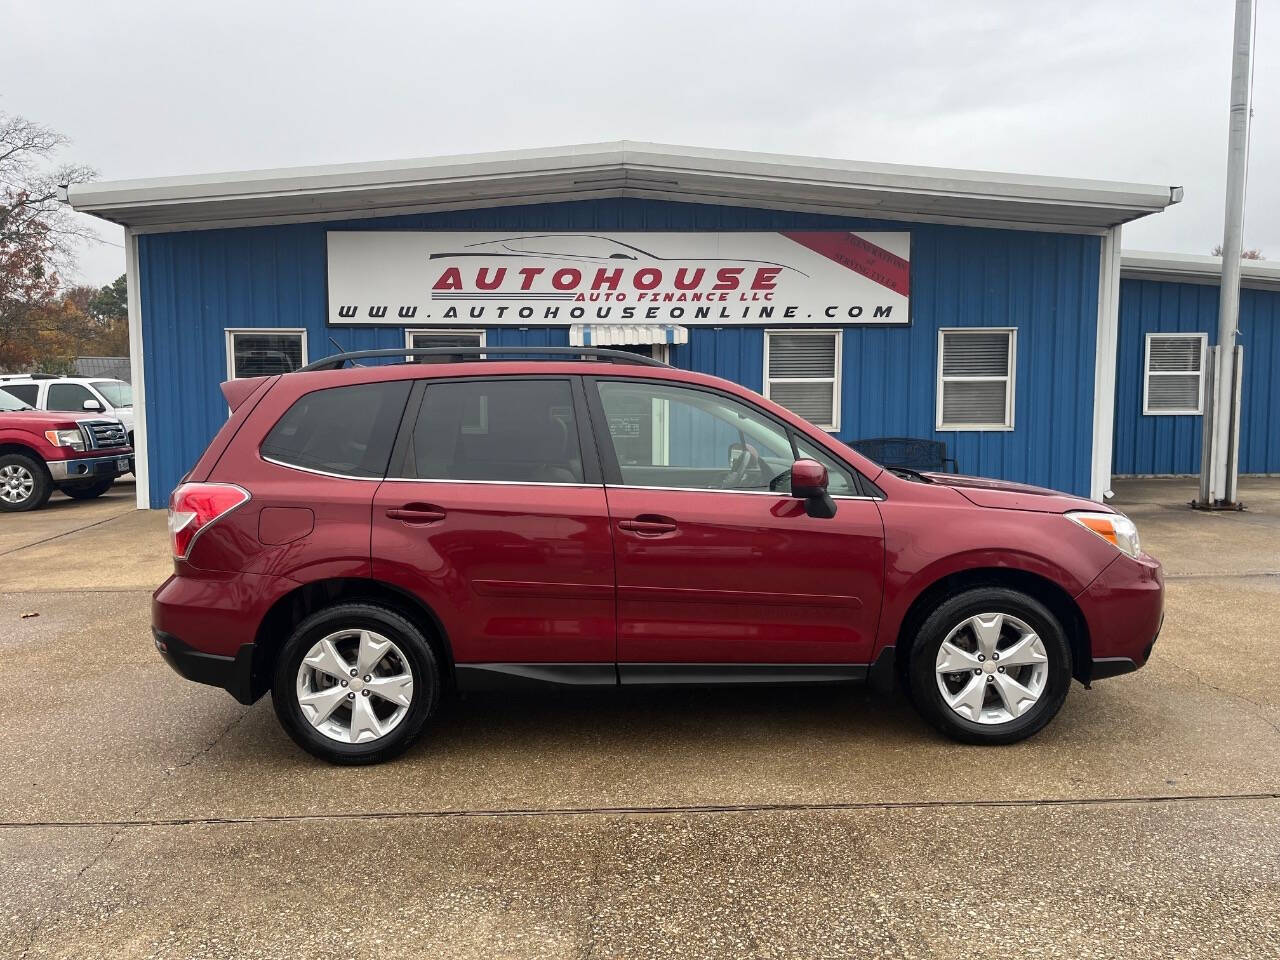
749	460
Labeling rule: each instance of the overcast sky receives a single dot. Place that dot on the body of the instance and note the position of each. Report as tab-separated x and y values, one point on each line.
1114	90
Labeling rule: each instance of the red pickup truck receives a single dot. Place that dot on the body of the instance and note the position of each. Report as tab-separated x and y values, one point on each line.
41	451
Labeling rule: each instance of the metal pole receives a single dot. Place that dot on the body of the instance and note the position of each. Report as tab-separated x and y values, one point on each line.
1232	242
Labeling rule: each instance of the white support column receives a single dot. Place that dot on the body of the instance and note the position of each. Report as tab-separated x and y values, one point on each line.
141	470
1105	359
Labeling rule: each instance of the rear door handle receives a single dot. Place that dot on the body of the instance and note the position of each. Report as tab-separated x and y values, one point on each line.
419	513
648	525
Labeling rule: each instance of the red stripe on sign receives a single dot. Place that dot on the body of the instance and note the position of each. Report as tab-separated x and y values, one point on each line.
859	255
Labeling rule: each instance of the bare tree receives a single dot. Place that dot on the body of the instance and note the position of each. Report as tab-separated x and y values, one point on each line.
1254	254
38	233
30	210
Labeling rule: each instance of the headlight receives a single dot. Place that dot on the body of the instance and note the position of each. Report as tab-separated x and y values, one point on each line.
65	438
1117	529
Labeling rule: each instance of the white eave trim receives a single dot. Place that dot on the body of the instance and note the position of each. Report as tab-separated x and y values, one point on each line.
625	168
1194	268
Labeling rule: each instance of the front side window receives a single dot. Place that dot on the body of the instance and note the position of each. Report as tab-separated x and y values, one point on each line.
802	373
265	353
975	379
509	431
1173	381
69	396
342	430
672	436
416	339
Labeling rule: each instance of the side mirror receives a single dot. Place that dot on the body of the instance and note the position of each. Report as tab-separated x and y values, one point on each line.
808	479
809	483
94	405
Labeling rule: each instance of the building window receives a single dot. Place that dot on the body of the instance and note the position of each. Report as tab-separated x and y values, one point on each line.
976	378
802	373
420	339
265	353
1174	375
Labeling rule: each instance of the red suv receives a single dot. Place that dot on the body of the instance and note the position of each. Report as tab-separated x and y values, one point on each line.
359	541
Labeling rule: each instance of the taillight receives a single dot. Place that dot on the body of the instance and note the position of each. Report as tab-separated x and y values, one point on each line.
194	506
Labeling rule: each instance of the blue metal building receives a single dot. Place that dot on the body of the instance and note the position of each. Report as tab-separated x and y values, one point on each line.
232	274
1170	302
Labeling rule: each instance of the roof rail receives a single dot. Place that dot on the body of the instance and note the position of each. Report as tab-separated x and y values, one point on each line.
340	360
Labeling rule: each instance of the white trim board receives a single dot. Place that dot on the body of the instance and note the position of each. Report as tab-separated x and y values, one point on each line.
137	374
1106	354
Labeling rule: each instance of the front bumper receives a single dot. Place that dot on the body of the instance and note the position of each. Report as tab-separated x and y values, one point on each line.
1124	611
88	468
233	674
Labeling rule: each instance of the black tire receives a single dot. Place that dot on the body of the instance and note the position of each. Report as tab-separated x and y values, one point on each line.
41	483
419	658
87	491
955	610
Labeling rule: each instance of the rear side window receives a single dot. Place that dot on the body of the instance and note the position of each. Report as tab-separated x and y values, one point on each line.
516	431
26	392
343	430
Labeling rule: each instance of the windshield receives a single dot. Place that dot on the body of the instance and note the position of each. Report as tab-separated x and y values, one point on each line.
9	402
117	392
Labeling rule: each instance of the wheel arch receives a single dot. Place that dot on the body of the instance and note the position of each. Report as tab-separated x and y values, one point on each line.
296	605
1059	602
10	446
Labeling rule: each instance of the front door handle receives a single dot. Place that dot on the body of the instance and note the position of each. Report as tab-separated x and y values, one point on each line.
418	513
648	525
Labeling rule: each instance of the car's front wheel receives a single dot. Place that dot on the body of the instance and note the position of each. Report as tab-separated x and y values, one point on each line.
355	684
24	483
990	666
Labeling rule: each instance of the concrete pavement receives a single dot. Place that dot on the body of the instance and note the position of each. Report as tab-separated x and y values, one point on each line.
141	815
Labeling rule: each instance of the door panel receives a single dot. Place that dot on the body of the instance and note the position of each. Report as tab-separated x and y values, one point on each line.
745	578
732	569
516	573
498	521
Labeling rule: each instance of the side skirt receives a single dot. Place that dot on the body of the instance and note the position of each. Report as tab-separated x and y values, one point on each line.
475	677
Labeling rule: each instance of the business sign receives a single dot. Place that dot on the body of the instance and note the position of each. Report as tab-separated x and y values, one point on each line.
409	278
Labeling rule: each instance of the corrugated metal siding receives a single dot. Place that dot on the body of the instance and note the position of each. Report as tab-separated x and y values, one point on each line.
1171	444
196	284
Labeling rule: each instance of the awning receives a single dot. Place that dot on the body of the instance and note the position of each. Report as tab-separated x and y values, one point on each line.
625	334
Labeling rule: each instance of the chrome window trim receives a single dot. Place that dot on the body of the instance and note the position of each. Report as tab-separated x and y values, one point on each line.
347	476
753	493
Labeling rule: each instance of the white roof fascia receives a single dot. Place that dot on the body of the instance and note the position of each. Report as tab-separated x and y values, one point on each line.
691	174
1195	268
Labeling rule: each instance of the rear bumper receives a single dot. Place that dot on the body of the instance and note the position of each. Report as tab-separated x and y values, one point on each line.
90	468
233	674
1124	610
205	627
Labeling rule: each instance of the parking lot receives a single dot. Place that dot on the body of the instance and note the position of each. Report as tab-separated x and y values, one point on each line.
146	816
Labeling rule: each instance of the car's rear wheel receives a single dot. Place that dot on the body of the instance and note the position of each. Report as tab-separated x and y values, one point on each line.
990	666
24	483
355	684
87	491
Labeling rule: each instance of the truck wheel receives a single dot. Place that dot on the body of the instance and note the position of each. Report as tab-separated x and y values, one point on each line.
87	491
990	666
355	684
24	483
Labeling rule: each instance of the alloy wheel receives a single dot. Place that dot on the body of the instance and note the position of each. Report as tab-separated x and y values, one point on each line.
355	686
991	668
16	483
